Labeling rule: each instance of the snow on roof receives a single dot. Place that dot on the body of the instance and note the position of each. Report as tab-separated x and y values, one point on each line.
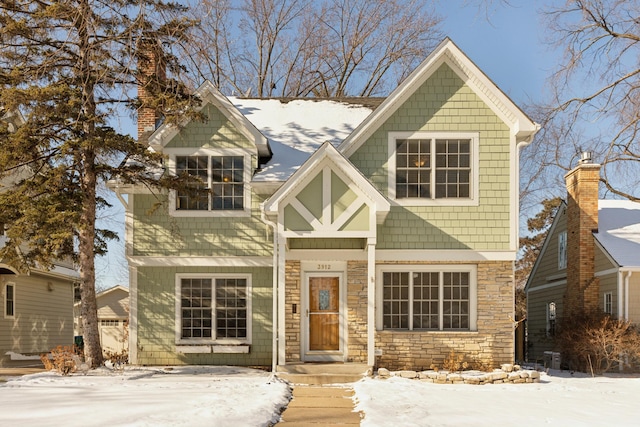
296	129
619	230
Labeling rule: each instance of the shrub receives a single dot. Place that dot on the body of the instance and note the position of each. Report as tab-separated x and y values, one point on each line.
118	360
62	358
594	342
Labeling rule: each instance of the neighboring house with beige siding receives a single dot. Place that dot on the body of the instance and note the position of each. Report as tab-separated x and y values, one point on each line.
37	310
590	262
37	305
368	231
113	319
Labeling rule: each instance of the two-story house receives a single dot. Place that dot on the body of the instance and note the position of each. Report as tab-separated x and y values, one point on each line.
590	261
380	232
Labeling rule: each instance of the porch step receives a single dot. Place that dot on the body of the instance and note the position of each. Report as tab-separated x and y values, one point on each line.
323	373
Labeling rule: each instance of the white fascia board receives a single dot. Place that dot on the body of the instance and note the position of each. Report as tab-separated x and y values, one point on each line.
328	155
112	289
209	94
534	270
190	261
447	52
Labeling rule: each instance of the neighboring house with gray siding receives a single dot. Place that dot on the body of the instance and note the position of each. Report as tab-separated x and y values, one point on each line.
380	232
588	263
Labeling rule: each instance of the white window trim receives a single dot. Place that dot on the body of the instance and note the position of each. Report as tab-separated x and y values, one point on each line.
474	200
4	309
209	152
604	302
550	318
178	312
473	293
562	250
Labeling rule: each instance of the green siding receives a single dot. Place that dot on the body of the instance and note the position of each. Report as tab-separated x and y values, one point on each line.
157	318
311	196
215	132
445	103
294	221
341	197
158	234
352	243
359	221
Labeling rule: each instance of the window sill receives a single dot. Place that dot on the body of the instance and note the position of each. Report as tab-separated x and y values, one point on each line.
427	331
210	214
216	349
409	202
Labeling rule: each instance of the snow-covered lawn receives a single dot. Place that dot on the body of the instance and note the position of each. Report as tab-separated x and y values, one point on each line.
560	399
179	396
230	396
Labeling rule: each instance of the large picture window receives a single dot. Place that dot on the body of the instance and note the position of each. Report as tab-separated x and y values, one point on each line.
428	169
436	300
221	187
213	309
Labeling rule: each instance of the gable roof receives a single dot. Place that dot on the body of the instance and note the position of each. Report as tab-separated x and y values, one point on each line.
619	231
296	128
561	208
446	52
327	150
209	94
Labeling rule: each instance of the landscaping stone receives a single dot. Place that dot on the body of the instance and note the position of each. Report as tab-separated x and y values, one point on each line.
508	374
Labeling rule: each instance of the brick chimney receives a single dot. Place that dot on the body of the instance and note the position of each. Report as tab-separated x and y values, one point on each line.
582	221
151	70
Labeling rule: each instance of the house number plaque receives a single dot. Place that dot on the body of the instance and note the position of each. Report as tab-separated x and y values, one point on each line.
324	267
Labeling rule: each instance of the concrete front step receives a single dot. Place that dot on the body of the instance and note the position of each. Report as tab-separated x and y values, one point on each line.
319	379
323	373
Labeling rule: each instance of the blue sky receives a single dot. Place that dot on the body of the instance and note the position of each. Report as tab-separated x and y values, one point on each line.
506	42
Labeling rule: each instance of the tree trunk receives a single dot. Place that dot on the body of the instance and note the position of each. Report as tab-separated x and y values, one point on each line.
88	177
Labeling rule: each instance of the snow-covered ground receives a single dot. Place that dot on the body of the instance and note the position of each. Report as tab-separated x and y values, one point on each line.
230	396
560	399
179	396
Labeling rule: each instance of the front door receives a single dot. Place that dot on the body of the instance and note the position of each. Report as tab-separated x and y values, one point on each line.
324	314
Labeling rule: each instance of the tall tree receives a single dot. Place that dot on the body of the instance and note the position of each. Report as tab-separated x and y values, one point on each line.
301	48
596	90
67	66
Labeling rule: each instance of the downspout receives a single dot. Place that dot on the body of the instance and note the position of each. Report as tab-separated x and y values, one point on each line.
274	338
620	294
627	278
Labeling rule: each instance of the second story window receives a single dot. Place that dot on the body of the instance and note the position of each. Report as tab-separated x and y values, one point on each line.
222	186
428	169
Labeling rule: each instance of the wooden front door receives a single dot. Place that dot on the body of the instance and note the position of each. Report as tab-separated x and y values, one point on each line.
324	314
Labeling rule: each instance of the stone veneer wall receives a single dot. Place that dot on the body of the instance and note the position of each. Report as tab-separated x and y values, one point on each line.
357	311
492	343
292	282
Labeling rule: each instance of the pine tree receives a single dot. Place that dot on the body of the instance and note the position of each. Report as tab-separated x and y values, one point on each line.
66	67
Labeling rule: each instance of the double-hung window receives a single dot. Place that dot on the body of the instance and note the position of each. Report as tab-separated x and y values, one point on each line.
9	300
220	187
429	168
608	303
428	299
213	309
